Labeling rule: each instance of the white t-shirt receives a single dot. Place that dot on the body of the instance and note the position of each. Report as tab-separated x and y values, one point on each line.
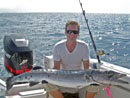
73	60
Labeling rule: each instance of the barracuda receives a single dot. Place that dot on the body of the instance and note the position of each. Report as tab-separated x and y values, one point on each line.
67	78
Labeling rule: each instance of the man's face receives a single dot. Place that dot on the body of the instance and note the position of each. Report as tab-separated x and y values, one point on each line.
72	32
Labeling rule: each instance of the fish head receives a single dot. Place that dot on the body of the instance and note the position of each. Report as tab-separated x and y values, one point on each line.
108	77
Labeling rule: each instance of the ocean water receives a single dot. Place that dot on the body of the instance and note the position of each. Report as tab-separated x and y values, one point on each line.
111	33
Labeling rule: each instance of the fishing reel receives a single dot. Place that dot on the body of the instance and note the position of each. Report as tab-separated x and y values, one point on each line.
102	52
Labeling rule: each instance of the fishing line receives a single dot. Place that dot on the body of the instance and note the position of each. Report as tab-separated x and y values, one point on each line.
95	49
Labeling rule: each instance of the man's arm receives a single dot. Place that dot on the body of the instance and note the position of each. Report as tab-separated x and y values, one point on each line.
57	64
86	64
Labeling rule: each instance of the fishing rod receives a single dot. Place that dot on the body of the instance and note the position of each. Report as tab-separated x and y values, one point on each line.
97	55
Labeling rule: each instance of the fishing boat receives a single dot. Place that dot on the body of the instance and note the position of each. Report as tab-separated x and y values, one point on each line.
23	90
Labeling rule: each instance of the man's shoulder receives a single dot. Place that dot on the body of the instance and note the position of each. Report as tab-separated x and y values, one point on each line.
81	42
60	43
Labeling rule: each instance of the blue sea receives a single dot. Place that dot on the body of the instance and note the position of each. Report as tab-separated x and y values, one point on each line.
111	32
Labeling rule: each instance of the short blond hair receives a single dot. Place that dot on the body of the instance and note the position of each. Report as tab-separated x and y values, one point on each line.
72	23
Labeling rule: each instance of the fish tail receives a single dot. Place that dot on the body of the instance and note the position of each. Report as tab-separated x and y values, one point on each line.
8	84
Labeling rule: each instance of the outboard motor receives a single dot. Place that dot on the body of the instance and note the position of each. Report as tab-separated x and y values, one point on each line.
18	57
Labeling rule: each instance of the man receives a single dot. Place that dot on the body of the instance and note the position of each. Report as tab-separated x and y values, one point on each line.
69	54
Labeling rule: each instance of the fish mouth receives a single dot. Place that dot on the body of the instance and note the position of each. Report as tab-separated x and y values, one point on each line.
110	77
121	81
117	76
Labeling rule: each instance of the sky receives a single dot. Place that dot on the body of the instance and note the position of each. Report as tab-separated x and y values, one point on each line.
90	6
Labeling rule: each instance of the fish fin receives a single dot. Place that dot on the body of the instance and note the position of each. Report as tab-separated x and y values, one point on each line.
88	77
44	81
110	76
33	83
8	85
37	67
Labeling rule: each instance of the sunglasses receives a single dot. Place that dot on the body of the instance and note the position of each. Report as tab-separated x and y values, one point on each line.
72	31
